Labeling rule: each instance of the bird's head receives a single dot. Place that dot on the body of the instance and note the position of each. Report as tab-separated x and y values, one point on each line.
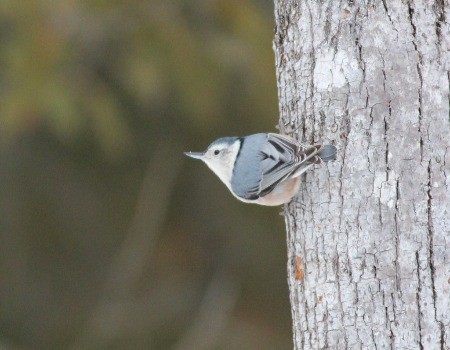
220	157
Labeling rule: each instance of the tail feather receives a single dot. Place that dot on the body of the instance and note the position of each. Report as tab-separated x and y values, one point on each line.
327	153
315	160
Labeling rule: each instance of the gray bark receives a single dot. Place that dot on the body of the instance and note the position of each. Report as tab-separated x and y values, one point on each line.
368	235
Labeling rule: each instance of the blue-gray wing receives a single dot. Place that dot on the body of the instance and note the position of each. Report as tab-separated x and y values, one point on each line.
284	156
247	174
266	160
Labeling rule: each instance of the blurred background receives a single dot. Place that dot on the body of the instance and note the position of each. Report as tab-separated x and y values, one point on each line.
109	237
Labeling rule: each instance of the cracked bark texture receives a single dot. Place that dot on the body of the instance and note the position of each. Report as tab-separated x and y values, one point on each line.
368	235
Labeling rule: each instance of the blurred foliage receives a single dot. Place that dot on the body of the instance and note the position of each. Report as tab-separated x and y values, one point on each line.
109	238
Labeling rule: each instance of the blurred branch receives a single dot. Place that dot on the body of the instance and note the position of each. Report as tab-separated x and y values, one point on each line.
212	317
129	262
147	221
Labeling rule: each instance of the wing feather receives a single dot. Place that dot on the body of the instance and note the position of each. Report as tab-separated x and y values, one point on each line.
267	160
284	156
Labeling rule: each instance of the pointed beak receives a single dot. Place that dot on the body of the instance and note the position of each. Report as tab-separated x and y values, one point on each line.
196	155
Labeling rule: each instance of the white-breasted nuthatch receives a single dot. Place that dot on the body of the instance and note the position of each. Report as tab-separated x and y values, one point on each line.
262	168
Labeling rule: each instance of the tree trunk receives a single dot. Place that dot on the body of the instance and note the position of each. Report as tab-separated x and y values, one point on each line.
368	235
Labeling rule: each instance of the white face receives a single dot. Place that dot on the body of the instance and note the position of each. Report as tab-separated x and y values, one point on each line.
219	153
220	159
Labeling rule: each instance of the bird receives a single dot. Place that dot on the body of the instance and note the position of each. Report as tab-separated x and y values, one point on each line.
263	168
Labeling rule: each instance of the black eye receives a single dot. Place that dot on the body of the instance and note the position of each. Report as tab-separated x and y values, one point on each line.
216	152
